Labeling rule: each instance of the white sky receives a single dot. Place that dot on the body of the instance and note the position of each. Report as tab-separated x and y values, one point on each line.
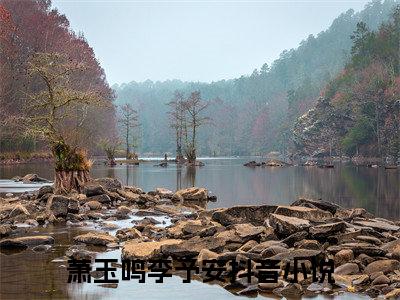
195	40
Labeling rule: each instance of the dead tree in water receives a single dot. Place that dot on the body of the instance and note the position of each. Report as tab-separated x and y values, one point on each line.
129	121
194	107
178	122
55	103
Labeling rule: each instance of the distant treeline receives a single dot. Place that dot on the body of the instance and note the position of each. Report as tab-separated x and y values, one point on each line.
255	114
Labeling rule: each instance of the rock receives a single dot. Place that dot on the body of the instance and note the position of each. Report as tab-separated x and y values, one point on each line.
18	209
128	195
358	248
362	279
9	195
306	213
206	254
57	205
5	230
146	199
252	164
33	178
395	294
78	252
297	253
188	228
290	290
164	193
254	214
352	213
95	238
295	237
145	250
128	234
193	246
93	205
123	210
369	239
264	245
73	206
133	189
347	269
91	189
308	244
26	241
189	194
378	225
103	198
109	226
109	184
325	230
343	256
382	279
248	245
323	205
47	189
273	250
386	266
248	231
41	248
285	226
270	286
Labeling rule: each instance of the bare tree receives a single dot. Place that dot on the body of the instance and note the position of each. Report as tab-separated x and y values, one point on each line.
129	120
54	103
178	122
194	107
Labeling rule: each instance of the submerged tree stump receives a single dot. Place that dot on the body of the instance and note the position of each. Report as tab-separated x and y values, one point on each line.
67	181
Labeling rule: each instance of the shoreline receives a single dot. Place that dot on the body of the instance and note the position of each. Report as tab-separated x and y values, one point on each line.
354	239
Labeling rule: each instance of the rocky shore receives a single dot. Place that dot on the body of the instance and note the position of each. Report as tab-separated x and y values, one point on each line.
365	249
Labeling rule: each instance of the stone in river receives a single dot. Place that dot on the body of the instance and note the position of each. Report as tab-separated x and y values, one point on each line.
26	241
95	238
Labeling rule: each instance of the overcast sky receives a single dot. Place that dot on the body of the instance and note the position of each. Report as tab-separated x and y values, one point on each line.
195	40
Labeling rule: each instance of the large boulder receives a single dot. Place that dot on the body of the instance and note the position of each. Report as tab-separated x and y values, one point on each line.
311	214
358	248
33	178
164	193
323	205
189	228
285	225
254	214
191	194
26	241
145	250
96	238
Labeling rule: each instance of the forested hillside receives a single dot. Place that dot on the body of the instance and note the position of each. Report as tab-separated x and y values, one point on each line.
359	111
255	113
31	29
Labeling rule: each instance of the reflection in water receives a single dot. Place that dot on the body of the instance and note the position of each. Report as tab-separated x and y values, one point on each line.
375	189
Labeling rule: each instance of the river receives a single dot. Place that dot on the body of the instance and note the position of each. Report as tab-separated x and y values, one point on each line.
30	275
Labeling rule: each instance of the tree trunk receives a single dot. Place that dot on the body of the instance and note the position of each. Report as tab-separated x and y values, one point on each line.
68	181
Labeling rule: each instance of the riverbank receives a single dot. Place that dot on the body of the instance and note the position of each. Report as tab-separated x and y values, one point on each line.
365	249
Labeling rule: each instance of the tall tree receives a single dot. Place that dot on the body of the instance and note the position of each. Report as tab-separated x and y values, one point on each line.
54	103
